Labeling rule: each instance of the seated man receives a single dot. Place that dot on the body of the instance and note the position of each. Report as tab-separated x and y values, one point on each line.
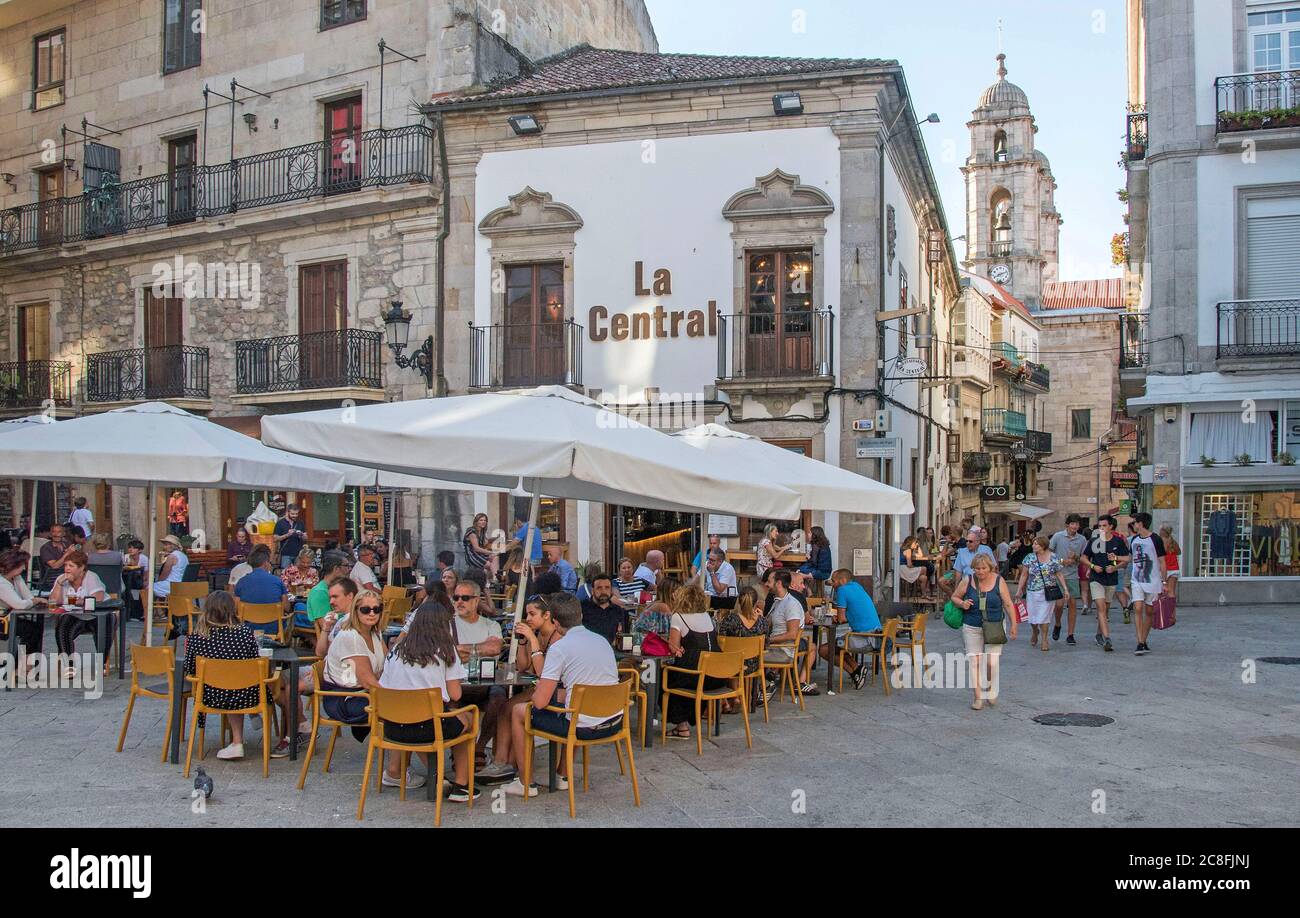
580	657
715	541
719	575
786	627
476	634
363	572
854	612
562	569
599	614
333	567
260	586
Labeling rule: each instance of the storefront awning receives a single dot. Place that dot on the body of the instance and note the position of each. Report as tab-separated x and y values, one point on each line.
1017	509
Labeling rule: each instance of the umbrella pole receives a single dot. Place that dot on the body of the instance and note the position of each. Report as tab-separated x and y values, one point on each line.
704	549
392	538
148	578
534	507
31	535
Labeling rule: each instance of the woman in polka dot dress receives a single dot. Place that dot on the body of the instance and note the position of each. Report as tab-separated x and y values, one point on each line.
220	635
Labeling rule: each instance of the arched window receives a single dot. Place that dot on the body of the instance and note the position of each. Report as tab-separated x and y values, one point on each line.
1000	222
1000	147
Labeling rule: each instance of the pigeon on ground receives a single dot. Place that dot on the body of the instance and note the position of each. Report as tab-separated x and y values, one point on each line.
203	782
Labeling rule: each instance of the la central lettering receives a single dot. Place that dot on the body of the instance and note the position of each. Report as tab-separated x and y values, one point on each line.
661	323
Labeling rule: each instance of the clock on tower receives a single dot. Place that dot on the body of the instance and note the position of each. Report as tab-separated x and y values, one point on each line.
1000	274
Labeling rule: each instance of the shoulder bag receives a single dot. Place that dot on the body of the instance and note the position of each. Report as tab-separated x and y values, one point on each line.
994	632
1051	588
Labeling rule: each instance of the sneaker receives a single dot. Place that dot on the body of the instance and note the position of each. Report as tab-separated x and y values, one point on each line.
516	789
413	780
460	794
1107	647
769	690
1128	619
497	771
1069	639
1056	633
233	751
1101	641
281	750
1140	650
859	677
561	782
809	690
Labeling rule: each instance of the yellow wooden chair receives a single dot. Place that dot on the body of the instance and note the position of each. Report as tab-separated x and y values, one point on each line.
750	648
390	593
232	675
396	609
638	695
183	604
154	662
414	706
263	613
789	673
320	719
911	634
712	665
887	636
601	701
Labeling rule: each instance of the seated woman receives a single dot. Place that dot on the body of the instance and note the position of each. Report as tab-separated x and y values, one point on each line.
103	552
654	618
302	575
73	587
15	597
220	635
427	659
914	555
537	632
691	632
355	662
745	620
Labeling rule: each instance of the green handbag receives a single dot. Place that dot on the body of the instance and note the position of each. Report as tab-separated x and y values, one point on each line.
952	615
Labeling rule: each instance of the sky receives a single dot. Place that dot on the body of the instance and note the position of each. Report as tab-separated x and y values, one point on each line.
1067	55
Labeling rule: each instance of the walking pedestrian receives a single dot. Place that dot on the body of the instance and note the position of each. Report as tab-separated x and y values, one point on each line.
1172	568
1068	545
983	596
1040	577
1105	554
1148	577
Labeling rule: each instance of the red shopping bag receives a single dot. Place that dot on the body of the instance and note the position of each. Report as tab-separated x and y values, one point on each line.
1022	611
1164	612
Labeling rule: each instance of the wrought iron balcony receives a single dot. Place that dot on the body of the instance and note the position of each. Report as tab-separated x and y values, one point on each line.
1259	328
32	383
791	345
976	466
1258	101
1134	349
1135	138
171	371
1040	441
392	156
1003	423
1036	375
520	355
347	358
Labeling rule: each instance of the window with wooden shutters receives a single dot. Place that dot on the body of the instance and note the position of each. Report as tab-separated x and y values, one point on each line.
1273	248
49	69
34	332
322	324
182	34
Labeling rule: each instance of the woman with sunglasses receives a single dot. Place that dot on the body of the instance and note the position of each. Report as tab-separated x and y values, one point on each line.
427	659
537	631
355	661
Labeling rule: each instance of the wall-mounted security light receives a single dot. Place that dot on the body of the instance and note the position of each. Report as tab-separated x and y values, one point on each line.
787	103
525	124
250	119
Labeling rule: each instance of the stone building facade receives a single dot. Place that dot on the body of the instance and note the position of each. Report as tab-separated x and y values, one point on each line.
314	190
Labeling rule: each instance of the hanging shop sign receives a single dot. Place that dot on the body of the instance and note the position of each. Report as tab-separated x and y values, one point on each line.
1124	479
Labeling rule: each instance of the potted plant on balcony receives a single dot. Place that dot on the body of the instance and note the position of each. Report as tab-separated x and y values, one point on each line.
1285	458
1207	461
1242	460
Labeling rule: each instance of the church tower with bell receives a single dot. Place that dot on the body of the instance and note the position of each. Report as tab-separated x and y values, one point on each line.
1012	225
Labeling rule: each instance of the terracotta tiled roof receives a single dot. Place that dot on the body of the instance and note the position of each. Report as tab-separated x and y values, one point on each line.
1104	293
587	69
997	293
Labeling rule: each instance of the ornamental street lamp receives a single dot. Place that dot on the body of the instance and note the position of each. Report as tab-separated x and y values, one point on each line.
397	332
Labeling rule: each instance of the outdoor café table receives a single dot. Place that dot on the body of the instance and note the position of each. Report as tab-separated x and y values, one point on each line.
657	665
512	680
102	611
293	658
824	623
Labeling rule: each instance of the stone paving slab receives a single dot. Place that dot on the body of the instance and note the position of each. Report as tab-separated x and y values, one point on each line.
1192	745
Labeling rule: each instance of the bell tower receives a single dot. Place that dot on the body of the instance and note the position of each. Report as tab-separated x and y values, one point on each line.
1012	225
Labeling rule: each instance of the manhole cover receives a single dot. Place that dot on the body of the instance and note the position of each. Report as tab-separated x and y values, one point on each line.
1073	720
1284	661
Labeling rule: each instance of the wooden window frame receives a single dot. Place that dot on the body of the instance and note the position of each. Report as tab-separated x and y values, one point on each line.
345	21
62	84
187	8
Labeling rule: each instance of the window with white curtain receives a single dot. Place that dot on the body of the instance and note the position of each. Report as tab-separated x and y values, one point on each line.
1225	435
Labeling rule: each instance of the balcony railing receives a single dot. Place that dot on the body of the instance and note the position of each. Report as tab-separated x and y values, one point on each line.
1258	101
1259	328
1003	422
1134	346
1040	441
1037	375
171	371
776	345
1000	249
391	156
519	355
976	465
350	357
31	383
1135	138
1007	353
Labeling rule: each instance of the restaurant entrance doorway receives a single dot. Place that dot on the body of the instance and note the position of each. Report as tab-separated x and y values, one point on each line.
634	531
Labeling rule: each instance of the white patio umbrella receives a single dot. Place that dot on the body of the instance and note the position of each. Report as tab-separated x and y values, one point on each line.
18	424
549	439
156	445
820	486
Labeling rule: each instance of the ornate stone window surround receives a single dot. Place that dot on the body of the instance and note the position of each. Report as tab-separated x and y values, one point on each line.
349	252
532	228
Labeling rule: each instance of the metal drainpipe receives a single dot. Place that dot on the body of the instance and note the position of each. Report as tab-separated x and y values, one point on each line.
444	230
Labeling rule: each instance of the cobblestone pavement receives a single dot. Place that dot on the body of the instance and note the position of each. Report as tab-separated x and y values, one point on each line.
1194	742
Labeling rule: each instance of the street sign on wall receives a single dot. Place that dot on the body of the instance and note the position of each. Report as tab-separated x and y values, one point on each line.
877	448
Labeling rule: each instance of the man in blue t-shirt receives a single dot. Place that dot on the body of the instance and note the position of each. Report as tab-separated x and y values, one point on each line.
855	614
521	529
259	586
